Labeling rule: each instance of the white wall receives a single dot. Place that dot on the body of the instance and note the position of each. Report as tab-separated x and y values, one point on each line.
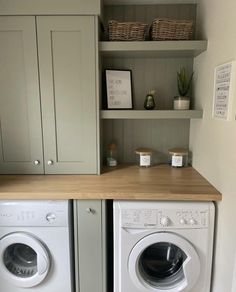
213	142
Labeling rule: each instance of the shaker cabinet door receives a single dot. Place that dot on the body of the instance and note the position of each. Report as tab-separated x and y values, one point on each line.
89	235
66	47
50	7
20	120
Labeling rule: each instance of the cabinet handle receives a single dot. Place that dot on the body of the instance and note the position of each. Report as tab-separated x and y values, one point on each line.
36	162
90	211
50	162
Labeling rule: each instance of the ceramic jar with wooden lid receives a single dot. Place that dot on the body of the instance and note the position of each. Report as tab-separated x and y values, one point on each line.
178	157
144	157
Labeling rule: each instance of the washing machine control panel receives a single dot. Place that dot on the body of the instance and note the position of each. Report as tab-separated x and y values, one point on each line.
35	213
153	218
139	218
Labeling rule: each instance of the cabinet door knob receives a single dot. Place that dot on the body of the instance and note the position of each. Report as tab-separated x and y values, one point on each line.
90	211
50	162
36	162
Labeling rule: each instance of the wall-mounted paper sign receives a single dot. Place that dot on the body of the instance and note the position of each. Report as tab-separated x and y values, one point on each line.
223	87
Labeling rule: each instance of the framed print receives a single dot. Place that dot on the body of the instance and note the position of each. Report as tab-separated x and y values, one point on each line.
119	89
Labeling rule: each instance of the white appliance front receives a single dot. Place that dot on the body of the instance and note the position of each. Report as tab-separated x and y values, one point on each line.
35	246
162	246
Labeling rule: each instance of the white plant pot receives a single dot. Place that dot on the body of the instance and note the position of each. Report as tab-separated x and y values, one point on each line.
181	103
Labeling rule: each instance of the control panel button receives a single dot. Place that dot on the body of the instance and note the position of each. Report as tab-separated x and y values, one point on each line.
182	221
50	217
192	221
165	221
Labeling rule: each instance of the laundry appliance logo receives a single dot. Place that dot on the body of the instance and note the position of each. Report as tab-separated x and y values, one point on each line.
5	215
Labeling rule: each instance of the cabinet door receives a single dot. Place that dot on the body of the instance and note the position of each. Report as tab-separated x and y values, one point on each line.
89	225
31	7
68	92
20	128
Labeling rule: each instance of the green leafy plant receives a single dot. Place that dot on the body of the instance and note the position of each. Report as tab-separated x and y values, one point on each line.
183	81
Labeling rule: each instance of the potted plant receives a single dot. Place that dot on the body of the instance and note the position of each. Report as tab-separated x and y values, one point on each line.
182	102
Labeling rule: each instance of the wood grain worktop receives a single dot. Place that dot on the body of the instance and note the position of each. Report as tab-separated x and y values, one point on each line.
125	182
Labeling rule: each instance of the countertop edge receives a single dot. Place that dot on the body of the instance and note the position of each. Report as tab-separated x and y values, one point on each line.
110	196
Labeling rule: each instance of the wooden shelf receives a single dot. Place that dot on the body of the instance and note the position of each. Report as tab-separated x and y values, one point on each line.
153	114
150	49
148	2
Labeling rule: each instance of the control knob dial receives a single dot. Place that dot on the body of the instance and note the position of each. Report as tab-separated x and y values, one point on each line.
50	217
165	221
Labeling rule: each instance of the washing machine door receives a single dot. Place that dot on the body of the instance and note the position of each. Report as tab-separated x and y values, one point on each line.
164	262
24	261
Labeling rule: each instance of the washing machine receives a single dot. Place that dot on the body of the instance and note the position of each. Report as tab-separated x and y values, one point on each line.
163	246
35	246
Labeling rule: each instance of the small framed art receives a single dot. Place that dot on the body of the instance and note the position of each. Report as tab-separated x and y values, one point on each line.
119	89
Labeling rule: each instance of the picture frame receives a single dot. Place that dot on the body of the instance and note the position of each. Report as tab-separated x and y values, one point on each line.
119	89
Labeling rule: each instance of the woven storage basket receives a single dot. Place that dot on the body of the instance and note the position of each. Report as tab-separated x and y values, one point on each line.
127	31
169	29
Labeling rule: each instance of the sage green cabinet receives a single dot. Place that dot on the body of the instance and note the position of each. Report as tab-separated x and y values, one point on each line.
48	95
20	132
90	245
66	48
45	7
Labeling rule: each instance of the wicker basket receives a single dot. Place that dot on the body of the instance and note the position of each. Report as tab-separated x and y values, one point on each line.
169	29
127	31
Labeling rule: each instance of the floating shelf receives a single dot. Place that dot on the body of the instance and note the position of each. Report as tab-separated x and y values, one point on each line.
149	49
153	114
148	2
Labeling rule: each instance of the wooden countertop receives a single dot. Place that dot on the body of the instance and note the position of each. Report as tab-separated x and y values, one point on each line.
125	182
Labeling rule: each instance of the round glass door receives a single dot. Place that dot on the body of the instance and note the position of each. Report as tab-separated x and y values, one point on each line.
160	264
20	260
24	261
163	262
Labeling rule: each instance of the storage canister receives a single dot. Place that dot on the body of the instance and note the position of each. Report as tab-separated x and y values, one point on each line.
112	154
178	157
144	156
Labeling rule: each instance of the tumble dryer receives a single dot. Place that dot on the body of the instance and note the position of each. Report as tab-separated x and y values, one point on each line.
35	246
163	246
